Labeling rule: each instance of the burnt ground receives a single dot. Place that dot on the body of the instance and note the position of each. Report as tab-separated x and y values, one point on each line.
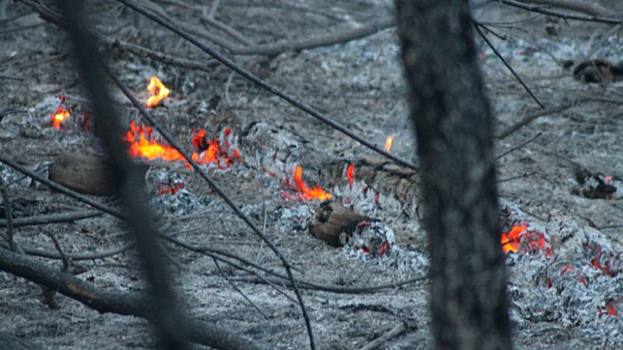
564	184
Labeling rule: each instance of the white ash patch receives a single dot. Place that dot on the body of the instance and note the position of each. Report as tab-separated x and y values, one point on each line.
169	194
581	285
287	218
366	200
375	242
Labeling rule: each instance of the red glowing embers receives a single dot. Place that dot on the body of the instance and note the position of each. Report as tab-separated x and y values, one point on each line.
158	92
144	144
524	240
350	174
221	153
300	190
62	112
60	116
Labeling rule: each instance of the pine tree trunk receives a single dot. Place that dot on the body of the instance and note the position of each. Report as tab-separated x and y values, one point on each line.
453	127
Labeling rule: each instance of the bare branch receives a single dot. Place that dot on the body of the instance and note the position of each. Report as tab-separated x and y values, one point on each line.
117	302
567	16
529	119
586	7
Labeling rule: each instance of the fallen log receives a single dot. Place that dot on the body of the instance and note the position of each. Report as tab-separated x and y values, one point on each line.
84	174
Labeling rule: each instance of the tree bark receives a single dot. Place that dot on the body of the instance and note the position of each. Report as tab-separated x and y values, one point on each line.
453	127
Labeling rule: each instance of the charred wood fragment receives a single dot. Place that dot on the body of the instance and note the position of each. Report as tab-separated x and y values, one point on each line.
334	223
85	174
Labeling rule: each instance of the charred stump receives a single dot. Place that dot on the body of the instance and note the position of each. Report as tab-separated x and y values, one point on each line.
453	125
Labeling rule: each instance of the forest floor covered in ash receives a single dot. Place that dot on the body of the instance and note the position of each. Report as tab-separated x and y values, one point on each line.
560	177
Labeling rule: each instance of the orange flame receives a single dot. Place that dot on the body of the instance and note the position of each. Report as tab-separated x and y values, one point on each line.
520	239
142	145
303	192
60	115
388	142
350	174
212	151
158	91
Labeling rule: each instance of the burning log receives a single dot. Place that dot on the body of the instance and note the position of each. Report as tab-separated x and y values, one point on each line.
84	174
334	223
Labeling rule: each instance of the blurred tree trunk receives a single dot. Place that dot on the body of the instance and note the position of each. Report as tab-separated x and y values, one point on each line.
453	127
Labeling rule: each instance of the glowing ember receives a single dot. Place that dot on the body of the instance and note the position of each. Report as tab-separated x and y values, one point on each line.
350	174
221	154
158	92
142	144
60	115
520	239
388	142
302	191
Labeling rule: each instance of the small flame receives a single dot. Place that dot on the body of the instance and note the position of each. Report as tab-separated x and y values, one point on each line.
520	239
303	192
219	153
60	115
388	142
142	145
350	174
158	91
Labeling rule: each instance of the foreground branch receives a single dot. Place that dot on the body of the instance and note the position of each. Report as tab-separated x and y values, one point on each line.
117	302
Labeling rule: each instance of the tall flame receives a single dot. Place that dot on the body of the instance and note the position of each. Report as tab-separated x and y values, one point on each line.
60	115
302	191
388	142
158	92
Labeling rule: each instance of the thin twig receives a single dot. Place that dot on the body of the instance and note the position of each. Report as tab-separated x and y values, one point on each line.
52	218
527	120
394	332
214	8
11	78
587	7
158	56
495	51
521	145
59	249
524	175
238	289
566	16
7	214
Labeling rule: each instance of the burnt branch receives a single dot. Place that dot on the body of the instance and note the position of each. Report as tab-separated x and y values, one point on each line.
113	301
510	68
529	119
52	218
563	15
586	7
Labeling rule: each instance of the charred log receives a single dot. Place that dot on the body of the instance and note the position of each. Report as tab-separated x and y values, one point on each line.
84	174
